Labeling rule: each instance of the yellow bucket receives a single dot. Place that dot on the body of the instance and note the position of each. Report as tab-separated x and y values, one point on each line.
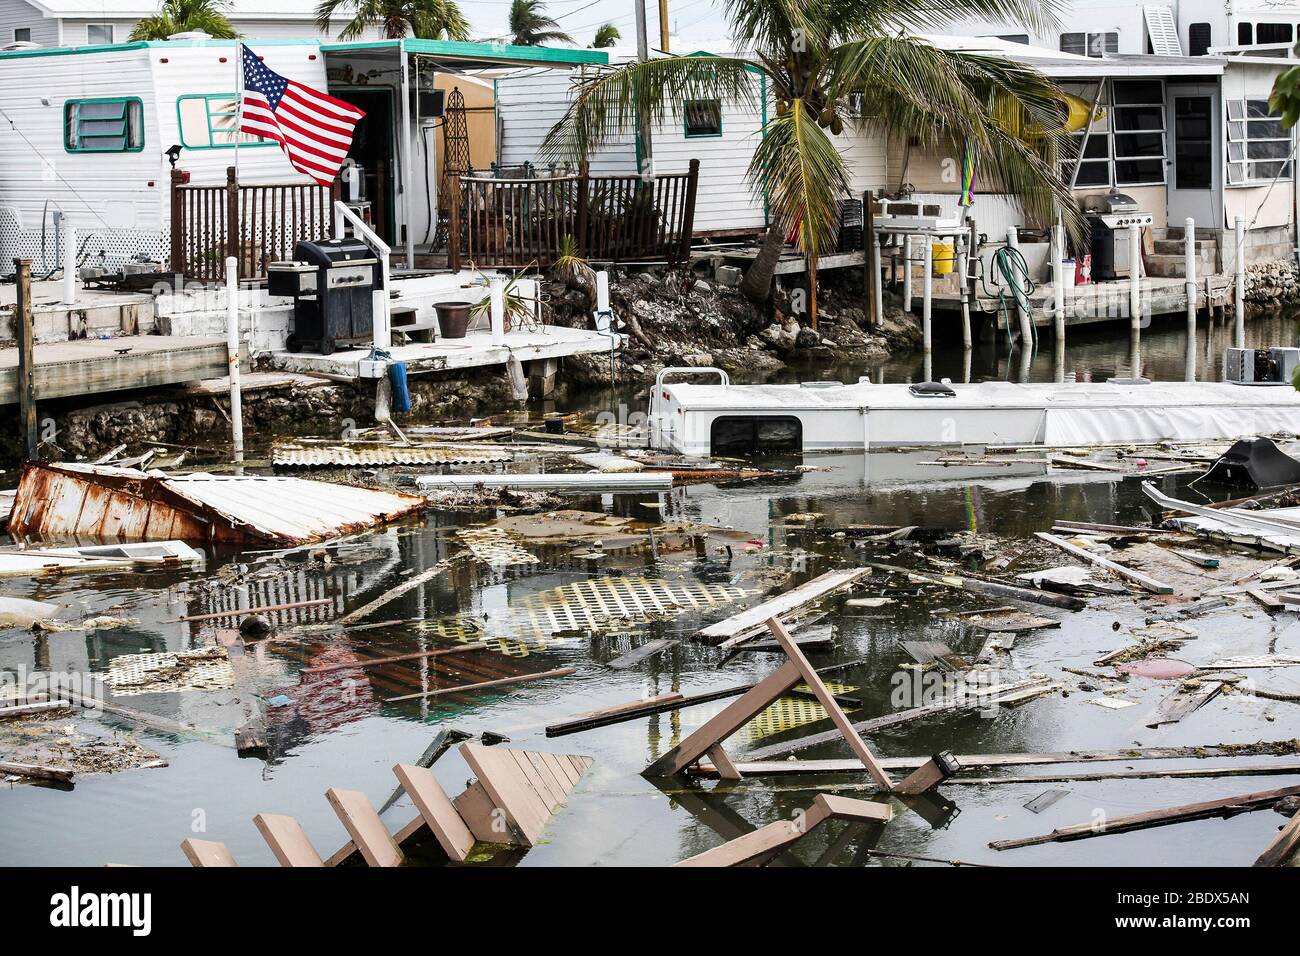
942	255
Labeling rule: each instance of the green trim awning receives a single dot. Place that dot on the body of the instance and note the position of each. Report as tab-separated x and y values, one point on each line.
478	54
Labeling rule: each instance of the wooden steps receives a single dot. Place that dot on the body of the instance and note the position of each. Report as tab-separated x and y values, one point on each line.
511	802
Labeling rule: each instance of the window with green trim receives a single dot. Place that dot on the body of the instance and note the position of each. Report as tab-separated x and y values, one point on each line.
103	125
703	118
211	121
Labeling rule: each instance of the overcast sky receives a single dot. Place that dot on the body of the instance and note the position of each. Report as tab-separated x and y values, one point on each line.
689	19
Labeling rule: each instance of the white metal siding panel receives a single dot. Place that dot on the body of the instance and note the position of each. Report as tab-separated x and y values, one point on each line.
865	153
531	102
725	200
19	13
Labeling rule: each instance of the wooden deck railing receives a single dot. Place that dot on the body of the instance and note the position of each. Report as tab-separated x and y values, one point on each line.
255	224
518	222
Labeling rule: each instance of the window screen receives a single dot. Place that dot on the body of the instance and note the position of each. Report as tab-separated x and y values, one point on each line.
703	118
1259	148
103	126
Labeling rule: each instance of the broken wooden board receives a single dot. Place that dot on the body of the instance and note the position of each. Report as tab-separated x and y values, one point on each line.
206	853
365	827
1137	577
285	836
638	654
436	809
1009	621
36	771
1190	697
928	652
1282	847
754	701
759	846
783	604
526	786
989	588
1221	807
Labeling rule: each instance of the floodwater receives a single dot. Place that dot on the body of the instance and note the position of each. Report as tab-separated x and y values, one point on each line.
337	730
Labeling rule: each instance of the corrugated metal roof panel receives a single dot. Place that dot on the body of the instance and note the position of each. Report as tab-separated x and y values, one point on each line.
361	456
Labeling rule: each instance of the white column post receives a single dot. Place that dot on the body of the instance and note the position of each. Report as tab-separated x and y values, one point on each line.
1239	274
497	309
1058	280
907	273
1189	267
877	286
602	291
69	263
927	288
1135	299
1026	329
232	357
963	267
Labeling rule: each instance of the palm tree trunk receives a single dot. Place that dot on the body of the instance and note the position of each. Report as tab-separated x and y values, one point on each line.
757	284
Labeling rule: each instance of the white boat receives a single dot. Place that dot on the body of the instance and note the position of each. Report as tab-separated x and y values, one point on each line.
24	561
719	418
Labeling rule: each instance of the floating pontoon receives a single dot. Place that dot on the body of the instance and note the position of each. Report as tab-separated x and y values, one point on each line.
718	418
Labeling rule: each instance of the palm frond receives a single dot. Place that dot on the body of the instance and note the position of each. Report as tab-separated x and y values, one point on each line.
609	103
769	25
1009	112
847	20
804	174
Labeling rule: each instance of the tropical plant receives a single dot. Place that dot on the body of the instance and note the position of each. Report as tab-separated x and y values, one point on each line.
425	19
834	63
606	36
532	27
181	16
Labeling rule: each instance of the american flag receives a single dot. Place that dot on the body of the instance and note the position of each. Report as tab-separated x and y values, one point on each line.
313	128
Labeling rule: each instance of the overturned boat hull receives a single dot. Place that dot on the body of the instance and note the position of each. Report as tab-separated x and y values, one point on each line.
717	419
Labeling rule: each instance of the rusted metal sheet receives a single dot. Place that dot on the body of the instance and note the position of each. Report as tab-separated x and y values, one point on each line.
122	503
298	456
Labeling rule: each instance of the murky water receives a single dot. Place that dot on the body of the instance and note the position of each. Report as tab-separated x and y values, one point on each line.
337	730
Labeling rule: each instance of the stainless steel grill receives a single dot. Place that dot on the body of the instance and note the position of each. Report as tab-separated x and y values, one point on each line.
1110	217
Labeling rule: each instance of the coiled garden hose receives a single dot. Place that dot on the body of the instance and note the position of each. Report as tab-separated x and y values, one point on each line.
1014	271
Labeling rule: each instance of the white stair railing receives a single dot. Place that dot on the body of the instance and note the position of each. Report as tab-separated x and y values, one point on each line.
383	327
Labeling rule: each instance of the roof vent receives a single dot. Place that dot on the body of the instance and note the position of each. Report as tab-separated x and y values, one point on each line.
190	35
20	45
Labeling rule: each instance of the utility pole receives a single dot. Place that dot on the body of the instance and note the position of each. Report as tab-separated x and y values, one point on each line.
643	122
663	25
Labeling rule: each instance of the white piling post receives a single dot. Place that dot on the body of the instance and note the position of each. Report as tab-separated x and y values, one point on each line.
1239	270
1135	293
927	299
232	357
907	273
69	263
1189	267
878	285
1026	329
497	309
963	267
1058	280
602	291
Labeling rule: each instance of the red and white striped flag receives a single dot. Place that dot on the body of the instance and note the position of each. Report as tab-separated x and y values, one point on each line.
313	128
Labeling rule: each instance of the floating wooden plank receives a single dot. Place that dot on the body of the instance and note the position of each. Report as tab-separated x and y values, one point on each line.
485	685
27	710
380	661
36	771
759	846
1265	599
1114	528
1062	461
252	610
764	767
1184	701
394	593
285	836
1162	773
990	588
207	853
437	810
365	827
783	604
927	652
1221	807
1137	577
638	654
1200	560
554	481
1012	621
1282	847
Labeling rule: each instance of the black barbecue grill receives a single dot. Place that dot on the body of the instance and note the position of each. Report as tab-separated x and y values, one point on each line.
1110	219
332	282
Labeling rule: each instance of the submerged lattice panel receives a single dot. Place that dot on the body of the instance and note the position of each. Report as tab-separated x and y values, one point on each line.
789	713
202	669
495	547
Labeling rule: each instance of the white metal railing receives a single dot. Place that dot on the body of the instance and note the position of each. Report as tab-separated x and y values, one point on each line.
657	394
383	326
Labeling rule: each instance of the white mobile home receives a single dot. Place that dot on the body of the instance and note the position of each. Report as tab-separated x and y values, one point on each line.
721	135
90	130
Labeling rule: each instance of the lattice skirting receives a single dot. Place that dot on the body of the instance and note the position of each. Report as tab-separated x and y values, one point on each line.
108	249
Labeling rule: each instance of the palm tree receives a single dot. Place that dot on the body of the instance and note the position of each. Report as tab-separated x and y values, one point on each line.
606	35
532	27
831	63
425	19
180	16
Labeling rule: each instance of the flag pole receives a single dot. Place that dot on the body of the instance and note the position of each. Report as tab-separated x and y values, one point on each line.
239	100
